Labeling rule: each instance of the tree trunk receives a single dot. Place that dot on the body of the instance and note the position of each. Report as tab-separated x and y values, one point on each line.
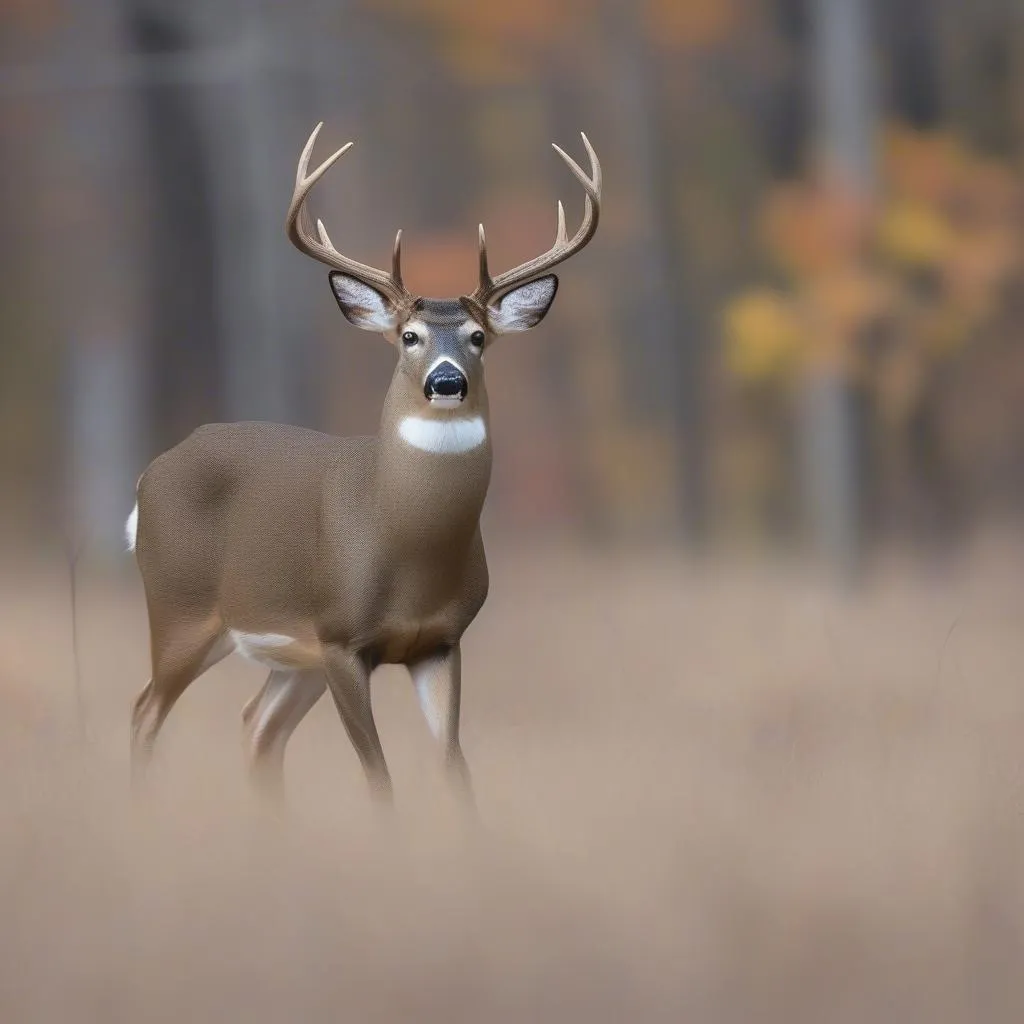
97	291
843	84
666	347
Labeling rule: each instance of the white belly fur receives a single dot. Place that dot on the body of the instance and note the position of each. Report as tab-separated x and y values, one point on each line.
265	648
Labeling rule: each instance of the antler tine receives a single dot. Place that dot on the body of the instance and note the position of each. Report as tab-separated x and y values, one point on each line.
489	288
324	237
320	246
306	181
595	164
485	274
396	260
312	179
307	151
578	171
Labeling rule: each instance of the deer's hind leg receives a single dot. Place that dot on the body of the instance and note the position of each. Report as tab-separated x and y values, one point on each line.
269	720
181	652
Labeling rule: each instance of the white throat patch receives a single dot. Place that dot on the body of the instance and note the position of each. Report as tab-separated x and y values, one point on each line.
443	437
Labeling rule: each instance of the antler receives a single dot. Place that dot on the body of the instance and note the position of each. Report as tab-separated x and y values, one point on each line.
321	248
490	287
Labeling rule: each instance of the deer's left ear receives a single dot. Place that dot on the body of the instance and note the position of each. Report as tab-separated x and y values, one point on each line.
523	307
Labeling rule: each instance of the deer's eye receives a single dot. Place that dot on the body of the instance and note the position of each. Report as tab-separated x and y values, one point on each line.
410	338
477	338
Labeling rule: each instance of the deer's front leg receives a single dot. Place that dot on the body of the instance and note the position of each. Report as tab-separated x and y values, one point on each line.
438	681
348	678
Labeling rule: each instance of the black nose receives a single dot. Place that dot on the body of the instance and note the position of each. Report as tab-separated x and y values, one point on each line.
446	380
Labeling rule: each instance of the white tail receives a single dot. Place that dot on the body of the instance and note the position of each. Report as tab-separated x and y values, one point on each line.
131	528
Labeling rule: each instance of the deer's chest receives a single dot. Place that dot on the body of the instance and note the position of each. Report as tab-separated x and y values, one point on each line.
399	643
411	606
421	611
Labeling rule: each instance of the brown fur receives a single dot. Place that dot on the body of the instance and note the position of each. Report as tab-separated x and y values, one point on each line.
325	557
357	545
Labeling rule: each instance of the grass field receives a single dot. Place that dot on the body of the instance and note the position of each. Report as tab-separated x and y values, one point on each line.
715	793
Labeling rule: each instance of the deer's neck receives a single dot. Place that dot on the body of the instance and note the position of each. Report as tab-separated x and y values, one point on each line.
432	474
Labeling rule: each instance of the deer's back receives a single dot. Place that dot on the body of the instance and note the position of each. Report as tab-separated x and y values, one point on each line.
232	518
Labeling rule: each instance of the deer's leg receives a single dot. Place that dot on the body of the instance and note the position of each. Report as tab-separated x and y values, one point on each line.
180	654
438	681
254	702
270	719
348	677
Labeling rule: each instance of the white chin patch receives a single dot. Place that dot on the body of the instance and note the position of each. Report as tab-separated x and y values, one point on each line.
441	402
443	437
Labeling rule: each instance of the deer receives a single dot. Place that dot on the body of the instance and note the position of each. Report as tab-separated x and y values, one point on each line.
323	557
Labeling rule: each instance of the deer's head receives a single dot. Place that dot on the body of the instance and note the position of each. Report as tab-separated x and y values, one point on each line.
440	342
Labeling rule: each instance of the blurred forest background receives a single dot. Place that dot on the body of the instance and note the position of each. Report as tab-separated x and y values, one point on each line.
713	790
798	324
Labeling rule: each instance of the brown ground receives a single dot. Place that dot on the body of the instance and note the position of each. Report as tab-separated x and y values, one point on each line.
716	794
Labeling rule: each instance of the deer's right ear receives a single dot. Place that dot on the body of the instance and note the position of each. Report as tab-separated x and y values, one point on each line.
363	305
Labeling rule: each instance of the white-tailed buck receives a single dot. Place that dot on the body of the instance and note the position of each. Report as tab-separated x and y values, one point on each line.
323	557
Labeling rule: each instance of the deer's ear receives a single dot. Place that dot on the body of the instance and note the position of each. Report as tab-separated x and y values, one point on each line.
523	307
362	305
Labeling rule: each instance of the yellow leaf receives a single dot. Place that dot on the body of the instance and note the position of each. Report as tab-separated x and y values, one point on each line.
915	235
763	335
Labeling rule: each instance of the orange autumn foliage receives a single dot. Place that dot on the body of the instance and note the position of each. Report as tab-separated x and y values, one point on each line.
942	211
695	24
811	230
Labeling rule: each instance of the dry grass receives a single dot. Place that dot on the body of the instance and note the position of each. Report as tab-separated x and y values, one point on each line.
711	794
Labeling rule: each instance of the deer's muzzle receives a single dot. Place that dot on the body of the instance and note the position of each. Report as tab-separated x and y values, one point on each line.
446	384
